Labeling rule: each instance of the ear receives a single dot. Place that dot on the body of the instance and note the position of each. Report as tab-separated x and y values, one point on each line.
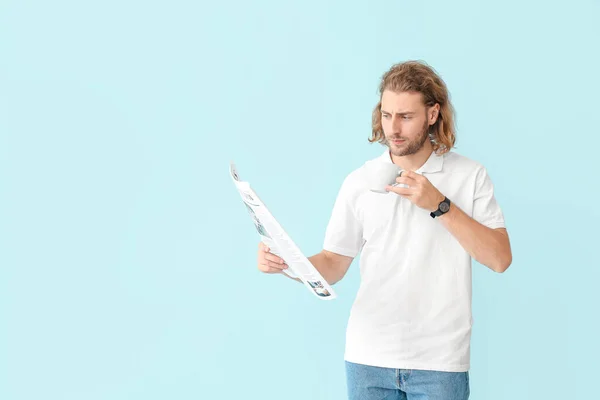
434	112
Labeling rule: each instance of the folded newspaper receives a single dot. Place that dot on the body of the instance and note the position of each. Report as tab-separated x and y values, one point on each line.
279	243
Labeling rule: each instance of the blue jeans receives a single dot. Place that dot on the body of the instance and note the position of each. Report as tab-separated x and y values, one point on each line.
376	383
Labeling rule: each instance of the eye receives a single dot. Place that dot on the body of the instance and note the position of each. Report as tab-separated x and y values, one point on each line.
386	116
406	117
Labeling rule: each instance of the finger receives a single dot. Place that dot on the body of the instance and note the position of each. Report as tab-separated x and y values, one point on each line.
271	258
274	258
267	250
277	265
400	190
412	175
268	270
273	265
407	181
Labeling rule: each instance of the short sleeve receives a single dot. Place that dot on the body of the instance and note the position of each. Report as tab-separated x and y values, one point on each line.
486	210
344	231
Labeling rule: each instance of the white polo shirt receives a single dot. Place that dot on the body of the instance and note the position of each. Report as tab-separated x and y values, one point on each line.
413	307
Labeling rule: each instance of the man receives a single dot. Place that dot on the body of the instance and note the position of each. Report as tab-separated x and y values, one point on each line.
409	331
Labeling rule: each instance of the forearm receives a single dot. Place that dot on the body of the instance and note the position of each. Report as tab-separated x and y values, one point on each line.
328	269
488	246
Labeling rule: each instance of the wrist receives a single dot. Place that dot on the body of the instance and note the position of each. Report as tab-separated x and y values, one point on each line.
436	205
449	212
443	208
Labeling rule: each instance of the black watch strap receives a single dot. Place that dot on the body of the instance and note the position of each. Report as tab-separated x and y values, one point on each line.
443	208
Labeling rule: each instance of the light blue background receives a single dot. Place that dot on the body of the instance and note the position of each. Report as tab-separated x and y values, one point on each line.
127	259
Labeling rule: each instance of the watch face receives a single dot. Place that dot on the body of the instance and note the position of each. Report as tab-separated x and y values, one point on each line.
444	207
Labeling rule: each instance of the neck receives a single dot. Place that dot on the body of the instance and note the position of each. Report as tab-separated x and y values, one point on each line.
414	161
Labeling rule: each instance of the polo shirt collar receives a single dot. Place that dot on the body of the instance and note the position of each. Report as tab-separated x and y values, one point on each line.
434	163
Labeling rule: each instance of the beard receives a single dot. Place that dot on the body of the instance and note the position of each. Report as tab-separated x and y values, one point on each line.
409	147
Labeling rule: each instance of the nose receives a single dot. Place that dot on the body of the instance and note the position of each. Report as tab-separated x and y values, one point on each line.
397	126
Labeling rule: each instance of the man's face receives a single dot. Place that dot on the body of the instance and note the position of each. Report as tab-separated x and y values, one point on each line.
405	122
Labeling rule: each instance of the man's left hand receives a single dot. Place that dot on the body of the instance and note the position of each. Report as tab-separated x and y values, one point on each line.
420	191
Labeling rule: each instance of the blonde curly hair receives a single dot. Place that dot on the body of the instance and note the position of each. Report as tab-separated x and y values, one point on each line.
418	76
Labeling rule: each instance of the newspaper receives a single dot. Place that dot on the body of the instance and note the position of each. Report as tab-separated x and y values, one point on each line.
279	243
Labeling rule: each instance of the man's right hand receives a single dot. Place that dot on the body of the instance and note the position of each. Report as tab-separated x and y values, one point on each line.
269	263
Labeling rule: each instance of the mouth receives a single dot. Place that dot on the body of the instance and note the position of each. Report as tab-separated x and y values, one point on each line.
398	141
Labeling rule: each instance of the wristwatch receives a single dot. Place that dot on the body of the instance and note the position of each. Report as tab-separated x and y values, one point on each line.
443	208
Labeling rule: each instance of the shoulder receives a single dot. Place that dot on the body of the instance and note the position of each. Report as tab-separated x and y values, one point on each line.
457	163
467	168
357	178
356	183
